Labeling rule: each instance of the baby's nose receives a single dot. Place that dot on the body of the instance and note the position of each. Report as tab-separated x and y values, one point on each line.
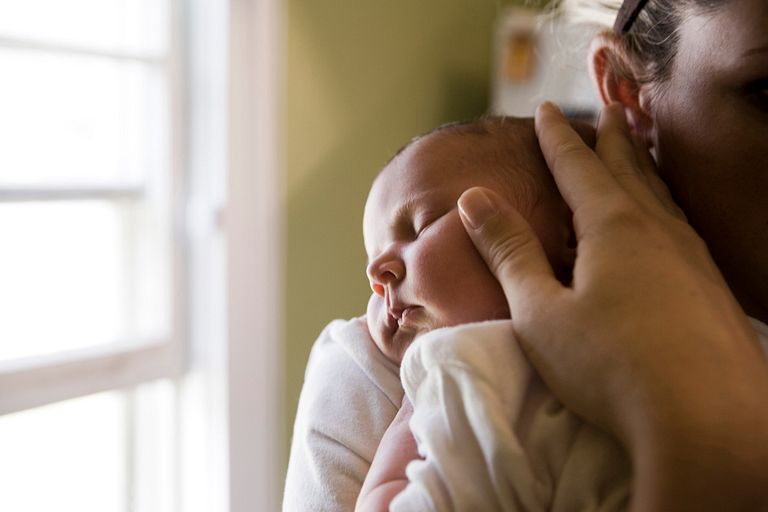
377	288
384	270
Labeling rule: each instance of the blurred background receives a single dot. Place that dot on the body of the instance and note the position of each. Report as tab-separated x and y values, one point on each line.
181	194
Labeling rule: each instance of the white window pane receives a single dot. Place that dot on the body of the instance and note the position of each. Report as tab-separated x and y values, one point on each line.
80	274
123	25
111	452
154	442
67	456
72	119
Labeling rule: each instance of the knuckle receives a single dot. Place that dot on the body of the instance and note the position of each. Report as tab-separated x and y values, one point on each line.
506	252
570	150
623	168
691	239
677	212
624	215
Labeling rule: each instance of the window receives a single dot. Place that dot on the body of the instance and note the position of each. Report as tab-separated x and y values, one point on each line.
139	340
90	265
92	341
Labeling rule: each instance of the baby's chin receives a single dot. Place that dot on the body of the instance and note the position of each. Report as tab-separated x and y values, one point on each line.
388	344
375	317
393	338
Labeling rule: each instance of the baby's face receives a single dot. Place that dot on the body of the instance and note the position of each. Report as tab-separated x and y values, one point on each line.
423	268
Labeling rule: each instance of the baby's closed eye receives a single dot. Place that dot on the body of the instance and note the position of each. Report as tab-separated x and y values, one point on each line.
426	220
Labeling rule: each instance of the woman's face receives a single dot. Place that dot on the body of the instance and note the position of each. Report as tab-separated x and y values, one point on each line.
711	121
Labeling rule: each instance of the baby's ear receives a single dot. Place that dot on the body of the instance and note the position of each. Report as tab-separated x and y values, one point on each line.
616	74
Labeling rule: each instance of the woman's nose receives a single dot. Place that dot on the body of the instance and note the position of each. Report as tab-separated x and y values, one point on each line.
383	270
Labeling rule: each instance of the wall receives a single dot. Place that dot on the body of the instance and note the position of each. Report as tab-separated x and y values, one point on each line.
362	78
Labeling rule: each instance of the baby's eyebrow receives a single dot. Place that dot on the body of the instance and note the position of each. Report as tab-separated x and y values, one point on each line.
401	212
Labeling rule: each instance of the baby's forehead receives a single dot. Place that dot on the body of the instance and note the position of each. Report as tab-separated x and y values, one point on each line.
503	155
451	162
495	142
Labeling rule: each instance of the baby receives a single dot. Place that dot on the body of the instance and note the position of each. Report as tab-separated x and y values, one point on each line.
423	268
426	275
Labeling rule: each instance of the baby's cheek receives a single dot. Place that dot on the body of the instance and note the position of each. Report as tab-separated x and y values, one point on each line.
451	251
373	313
460	287
374	317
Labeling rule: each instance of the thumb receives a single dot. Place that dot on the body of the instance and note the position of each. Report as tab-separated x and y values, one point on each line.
509	247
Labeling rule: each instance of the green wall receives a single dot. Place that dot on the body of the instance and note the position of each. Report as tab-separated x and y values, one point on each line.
362	78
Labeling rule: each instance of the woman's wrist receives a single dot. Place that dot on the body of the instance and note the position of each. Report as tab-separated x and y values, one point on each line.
679	476
703	452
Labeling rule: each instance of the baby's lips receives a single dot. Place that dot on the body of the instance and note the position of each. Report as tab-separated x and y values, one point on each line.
391	323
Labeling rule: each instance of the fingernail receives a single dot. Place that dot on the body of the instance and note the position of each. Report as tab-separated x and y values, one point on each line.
551	106
477	207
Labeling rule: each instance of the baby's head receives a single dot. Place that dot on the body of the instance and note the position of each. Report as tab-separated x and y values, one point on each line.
423	268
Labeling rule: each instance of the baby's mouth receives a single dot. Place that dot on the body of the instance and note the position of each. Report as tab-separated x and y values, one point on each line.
392	322
400	317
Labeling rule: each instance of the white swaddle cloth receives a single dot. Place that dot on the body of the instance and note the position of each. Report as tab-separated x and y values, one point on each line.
350	396
495	438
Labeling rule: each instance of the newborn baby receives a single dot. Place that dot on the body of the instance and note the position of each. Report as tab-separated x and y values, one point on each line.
423	268
490	435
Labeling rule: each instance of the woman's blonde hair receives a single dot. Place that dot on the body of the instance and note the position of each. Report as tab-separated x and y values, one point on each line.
654	36
600	14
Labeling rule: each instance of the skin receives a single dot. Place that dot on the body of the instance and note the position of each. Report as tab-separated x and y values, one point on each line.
651	341
423	267
421	258
711	136
386	478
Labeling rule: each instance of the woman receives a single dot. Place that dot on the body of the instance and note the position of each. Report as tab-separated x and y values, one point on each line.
660	351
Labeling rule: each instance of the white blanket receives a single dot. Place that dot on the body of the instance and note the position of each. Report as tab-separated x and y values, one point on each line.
495	438
351	394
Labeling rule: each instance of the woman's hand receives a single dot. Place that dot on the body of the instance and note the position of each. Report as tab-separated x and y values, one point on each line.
647	342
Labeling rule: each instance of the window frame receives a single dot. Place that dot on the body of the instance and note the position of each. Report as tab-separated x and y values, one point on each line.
228	372
41	380
254	223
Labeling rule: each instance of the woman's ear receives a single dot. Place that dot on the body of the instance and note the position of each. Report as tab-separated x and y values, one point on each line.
616	76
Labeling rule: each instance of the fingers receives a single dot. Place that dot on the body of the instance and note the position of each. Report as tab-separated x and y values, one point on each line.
509	247
648	168
617	151
582	178
645	161
581	173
